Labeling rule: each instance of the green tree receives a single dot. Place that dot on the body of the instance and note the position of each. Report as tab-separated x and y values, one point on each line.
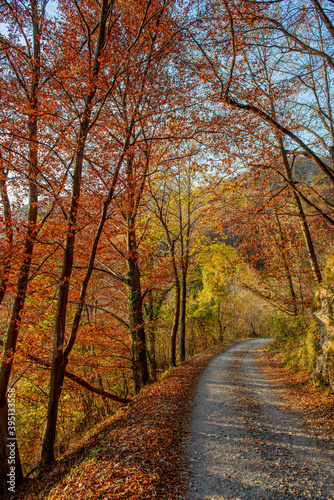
219	265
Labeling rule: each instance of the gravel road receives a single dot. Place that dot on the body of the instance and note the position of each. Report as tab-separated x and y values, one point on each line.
245	444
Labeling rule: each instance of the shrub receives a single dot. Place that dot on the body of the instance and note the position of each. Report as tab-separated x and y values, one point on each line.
296	340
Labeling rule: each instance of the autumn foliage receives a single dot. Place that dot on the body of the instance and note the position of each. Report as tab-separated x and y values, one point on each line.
166	176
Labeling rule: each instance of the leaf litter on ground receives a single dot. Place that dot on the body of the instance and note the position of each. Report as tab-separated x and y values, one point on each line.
313	403
138	453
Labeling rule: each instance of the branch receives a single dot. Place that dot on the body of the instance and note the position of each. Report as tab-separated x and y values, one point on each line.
293	186
121	320
269	119
303	45
109	271
80	381
77	380
324	17
267	298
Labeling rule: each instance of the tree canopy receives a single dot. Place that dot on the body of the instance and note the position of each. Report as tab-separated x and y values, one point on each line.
166	176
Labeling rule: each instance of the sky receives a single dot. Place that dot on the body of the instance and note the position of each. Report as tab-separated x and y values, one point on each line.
51	9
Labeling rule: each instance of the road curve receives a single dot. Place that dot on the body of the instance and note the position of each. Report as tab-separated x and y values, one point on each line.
245	444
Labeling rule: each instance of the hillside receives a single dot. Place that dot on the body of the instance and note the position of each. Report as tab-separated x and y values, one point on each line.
139	452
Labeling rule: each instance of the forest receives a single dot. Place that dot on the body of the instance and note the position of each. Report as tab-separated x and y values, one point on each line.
166	181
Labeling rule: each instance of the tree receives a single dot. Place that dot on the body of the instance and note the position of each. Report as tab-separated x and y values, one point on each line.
100	87
258	216
24	72
61	351
230	83
178	204
255	90
81	84
219	265
118	122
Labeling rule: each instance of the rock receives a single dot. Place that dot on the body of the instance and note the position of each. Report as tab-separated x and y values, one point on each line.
323	311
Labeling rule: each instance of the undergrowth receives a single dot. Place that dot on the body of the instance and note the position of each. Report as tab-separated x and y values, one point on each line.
296	341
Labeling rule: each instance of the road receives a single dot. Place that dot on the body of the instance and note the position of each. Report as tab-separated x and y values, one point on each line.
245	444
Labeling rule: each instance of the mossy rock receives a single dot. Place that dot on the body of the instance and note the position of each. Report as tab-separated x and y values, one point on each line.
328	274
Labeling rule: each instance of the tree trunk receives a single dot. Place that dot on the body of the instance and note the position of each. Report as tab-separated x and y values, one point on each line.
221	328
183	302
153	361
150	310
285	264
135	302
175	326
60	352
56	384
303	222
22	283
136	323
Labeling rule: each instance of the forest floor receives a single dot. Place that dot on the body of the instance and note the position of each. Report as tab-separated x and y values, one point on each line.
312	403
135	454
139	453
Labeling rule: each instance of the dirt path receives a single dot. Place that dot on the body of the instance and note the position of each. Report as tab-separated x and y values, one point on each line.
245	444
